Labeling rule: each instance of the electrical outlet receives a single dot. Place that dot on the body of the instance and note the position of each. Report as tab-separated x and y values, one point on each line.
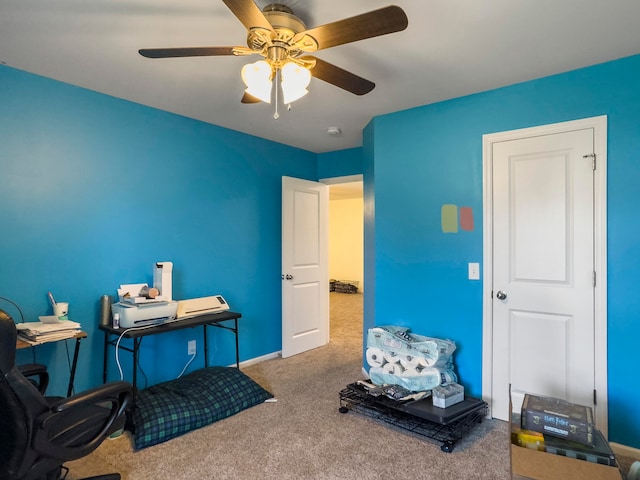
192	347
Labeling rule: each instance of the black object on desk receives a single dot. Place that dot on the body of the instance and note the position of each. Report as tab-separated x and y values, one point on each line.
137	334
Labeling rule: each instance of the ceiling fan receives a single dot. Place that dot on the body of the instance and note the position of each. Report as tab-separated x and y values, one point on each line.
283	40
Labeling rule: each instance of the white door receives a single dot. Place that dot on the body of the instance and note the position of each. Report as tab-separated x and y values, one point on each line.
545	322
305	280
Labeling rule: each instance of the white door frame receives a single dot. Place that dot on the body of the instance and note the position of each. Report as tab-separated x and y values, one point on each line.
599	125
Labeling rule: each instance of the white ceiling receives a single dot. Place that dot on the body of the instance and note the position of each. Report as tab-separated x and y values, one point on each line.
450	49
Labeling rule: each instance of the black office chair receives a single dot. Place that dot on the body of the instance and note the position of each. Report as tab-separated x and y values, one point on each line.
39	434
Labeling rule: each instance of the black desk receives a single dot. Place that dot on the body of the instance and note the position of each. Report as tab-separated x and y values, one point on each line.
111	336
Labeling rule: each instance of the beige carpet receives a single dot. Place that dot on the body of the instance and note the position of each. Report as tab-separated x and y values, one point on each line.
302	435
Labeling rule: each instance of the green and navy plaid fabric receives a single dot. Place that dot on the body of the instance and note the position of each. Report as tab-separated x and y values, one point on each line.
170	409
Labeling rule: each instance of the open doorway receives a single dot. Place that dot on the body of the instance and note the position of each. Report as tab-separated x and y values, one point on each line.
346	258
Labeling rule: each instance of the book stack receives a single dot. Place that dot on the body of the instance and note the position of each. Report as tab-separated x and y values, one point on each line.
567	429
36	333
558	418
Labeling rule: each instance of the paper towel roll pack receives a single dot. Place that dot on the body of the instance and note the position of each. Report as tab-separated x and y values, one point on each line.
402	342
416	362
416	381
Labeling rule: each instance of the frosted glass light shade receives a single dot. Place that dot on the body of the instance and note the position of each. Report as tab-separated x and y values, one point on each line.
257	77
295	80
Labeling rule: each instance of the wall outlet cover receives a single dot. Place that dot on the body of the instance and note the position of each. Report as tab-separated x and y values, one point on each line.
474	271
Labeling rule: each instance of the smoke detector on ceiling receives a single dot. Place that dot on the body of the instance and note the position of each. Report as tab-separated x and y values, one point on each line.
334	131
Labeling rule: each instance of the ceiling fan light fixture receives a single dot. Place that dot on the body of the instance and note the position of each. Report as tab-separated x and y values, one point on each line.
295	80
283	40
257	77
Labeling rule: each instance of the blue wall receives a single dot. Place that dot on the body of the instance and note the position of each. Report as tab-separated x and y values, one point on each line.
94	190
341	163
426	157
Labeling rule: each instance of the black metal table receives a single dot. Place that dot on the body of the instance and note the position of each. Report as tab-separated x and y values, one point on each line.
443	425
111	336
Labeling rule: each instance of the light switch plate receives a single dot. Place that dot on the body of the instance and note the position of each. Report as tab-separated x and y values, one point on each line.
474	271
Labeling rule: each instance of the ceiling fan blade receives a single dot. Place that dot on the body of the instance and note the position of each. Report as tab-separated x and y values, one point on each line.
248	13
248	98
340	78
186	52
367	25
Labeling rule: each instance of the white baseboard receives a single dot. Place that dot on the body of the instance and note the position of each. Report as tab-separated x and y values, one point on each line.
253	361
624	450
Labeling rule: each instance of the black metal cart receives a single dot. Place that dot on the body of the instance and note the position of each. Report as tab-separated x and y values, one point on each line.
443	425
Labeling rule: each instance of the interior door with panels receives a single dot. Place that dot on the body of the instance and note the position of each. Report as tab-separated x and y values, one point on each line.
543	268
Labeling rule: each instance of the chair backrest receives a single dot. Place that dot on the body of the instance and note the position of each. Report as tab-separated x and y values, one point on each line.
8	336
20	404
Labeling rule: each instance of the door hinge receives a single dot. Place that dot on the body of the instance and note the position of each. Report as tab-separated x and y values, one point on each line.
593	277
593	159
595	399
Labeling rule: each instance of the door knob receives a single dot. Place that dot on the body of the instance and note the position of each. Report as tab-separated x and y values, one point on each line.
501	295
289	277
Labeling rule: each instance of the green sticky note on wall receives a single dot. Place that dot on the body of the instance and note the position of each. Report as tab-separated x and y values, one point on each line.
449	218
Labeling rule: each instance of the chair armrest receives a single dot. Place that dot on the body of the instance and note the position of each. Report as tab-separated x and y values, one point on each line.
114	398
36	370
96	395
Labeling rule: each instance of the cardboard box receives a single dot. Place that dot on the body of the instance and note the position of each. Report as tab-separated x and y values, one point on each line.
528	463
534	464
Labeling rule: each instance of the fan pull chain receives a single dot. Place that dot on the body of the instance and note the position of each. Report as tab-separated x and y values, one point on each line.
276	115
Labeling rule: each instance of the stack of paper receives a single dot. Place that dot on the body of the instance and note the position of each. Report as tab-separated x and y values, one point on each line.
39	332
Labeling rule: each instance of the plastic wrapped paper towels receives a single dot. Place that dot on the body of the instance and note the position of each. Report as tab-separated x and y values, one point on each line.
415	362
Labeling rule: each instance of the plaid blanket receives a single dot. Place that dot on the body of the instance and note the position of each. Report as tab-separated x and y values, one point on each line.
172	408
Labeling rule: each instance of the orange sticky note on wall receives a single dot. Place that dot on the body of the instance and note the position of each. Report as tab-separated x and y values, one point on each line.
466	219
449	218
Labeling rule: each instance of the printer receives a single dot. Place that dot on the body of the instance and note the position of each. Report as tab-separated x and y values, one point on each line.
145	314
